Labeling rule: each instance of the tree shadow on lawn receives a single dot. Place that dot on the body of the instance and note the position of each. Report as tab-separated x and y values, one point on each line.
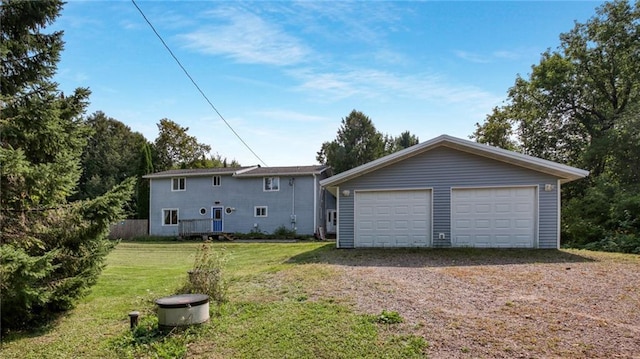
34	330
434	257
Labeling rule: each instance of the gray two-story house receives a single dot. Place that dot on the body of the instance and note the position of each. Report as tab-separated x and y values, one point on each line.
186	202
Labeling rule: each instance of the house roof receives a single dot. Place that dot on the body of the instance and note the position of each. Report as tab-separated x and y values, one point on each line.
283	171
192	172
252	171
564	172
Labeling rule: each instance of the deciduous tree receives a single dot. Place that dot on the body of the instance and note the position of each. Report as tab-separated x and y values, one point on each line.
174	148
357	143
579	106
111	155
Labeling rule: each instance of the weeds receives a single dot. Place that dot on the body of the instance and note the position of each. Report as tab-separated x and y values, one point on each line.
207	275
147	340
388	317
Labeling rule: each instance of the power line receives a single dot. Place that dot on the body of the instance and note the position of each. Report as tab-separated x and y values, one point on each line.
195	84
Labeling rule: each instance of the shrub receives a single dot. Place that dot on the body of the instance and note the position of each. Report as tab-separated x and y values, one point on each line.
624	243
284	233
207	275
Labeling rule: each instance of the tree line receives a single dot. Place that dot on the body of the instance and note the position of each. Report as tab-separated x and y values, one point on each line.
581	106
114	152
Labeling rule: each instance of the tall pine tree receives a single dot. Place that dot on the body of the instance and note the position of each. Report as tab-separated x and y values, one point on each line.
51	250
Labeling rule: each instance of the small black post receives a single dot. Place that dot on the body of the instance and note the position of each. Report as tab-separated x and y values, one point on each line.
133	318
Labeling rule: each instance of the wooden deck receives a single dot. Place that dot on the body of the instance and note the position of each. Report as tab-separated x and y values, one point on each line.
188	228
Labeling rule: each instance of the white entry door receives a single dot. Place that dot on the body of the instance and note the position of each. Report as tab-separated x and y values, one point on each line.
332	221
493	217
399	218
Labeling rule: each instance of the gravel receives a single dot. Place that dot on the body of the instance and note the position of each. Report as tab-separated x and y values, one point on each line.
497	303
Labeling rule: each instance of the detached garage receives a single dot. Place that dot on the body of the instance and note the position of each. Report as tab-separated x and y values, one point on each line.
449	192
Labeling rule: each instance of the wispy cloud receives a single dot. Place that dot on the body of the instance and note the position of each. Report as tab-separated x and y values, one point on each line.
246	38
367	24
489	57
472	57
383	86
290	116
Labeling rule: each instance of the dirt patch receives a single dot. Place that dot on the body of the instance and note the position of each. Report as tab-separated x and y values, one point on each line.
497	304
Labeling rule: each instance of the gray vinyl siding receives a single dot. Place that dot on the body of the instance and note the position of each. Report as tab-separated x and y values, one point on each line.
243	194
443	169
548	217
346	215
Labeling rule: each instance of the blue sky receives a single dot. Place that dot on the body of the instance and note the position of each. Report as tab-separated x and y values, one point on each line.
284	74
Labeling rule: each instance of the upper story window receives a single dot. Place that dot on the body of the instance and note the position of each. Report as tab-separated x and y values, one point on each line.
271	184
215	181
178	183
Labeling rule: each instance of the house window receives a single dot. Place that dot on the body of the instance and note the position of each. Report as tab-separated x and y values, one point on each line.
203	211
271	184
170	217
178	183
215	181
260	211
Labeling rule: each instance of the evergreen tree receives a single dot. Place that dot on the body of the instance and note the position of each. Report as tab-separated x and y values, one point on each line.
51	250
405	140
142	190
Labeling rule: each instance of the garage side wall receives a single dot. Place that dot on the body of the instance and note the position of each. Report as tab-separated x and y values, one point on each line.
442	169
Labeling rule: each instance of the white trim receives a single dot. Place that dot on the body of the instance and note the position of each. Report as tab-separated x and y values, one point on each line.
412	189
536	210
338	223
213	212
536	217
266	211
177	217
150	204
213	181
264	179
496	186
179	178
315	204
558	230
565	173
393	189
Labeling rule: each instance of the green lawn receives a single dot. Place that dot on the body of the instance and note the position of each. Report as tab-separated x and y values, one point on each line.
272	312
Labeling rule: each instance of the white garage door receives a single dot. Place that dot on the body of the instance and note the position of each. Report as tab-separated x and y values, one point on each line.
493	217
393	218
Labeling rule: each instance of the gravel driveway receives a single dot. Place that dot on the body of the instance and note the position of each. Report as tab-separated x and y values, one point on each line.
498	303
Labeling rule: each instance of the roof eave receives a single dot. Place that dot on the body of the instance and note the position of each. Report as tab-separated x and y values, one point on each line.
565	173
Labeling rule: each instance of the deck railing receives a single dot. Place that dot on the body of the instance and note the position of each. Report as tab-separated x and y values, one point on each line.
195	227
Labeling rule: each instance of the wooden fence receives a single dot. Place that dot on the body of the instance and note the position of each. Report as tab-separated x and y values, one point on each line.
129	228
